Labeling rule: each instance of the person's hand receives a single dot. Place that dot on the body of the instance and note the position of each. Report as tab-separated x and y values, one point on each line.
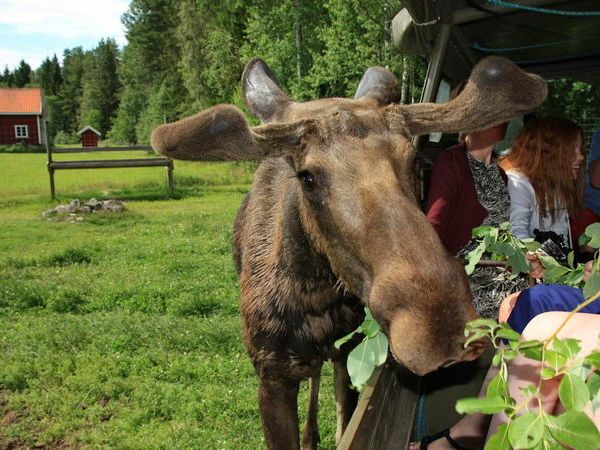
536	271
587	270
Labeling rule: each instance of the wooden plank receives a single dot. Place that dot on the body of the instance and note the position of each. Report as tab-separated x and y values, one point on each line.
362	409
111	163
99	149
385	414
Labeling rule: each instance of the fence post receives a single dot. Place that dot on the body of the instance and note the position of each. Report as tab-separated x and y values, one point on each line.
170	182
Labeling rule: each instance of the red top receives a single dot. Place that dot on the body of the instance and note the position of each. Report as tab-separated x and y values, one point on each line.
452	205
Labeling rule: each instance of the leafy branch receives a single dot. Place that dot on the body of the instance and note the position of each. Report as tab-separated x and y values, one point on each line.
500	245
580	382
369	354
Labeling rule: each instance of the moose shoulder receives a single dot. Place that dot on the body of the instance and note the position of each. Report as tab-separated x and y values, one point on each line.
331	224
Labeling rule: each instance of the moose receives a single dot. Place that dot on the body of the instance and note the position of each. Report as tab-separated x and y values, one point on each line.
332	224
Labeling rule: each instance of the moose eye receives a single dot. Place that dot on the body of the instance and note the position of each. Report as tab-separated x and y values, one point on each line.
309	181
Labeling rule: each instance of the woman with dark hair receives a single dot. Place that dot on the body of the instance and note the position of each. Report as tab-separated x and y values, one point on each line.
545	180
468	189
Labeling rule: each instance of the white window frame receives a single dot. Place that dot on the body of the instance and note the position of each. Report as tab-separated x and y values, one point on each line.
21	131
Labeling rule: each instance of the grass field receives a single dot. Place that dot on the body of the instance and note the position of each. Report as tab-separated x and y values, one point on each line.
122	331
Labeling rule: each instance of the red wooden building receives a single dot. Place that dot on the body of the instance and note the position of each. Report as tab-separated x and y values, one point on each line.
22	116
89	136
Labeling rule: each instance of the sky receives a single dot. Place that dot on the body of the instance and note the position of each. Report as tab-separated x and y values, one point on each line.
35	29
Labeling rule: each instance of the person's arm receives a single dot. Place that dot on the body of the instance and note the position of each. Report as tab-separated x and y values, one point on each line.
522	201
441	198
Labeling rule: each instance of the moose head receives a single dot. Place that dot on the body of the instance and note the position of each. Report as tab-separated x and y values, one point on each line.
350	174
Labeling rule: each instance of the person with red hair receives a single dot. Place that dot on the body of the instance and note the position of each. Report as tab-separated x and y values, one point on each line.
545	180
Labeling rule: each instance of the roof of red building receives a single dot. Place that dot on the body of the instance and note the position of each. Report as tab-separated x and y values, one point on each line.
20	100
90	128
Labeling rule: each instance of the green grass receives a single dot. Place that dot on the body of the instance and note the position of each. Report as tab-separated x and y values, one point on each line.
123	331
26	175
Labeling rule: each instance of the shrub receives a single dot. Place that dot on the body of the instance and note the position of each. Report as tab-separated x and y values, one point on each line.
22	148
62	138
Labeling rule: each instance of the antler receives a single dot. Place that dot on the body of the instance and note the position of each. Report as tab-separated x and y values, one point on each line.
496	91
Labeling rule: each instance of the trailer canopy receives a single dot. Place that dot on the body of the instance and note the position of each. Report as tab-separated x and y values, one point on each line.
556	39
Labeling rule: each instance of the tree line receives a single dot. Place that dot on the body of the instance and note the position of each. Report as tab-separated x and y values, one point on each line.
182	56
186	55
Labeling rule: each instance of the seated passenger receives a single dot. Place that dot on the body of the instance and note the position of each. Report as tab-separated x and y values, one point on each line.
545	180
468	189
527	311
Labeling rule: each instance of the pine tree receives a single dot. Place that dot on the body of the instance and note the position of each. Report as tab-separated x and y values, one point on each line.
209	34
283	34
151	54
45	77
22	74
70	92
101	87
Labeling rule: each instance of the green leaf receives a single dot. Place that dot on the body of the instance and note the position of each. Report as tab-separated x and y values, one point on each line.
571	259
484	405
547	373
361	364
532	246
497	388
566	347
531	349
526	431
497	359
579	369
592	285
341	341
379	348
593	359
481	231
502	249
574	429
554	274
476	335
547	261
529	391
596	402
518	263
506	332
499	441
573	392
482	323
555	360
575	277
504	226
583	240
593	232
474	257
370	328
593	384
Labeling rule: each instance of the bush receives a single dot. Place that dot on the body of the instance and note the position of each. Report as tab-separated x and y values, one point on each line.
62	138
22	148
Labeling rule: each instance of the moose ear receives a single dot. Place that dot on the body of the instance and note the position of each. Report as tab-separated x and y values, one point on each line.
221	133
379	84
262	92
496	91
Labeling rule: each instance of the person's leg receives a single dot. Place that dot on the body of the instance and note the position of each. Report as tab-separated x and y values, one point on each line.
470	430
523	371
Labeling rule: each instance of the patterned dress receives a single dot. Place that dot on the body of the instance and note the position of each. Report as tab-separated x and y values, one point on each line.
490	285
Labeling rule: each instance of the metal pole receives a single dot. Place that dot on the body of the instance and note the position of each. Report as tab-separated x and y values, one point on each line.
432	83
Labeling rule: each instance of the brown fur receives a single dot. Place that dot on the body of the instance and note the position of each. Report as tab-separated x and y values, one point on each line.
331	224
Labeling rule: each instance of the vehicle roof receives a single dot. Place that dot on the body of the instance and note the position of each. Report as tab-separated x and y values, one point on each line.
556	39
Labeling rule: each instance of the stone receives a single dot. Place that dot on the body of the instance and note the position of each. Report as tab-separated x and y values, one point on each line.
113	206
